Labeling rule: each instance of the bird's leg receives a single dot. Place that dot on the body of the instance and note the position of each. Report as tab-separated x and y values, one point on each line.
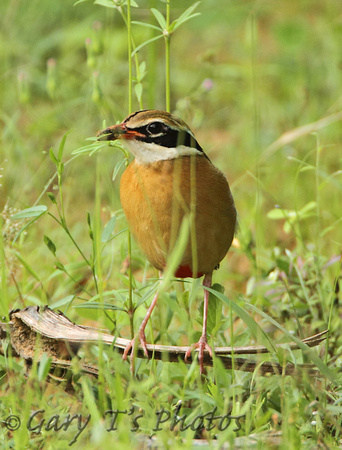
141	332
202	344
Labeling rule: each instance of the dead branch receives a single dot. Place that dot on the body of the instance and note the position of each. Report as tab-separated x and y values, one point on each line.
61	339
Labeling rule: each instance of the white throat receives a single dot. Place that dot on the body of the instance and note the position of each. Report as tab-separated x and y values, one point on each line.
147	153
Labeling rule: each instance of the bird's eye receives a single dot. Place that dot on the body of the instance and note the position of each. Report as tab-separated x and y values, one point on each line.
156	128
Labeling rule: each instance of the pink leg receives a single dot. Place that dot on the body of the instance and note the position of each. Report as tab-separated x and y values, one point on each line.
202	344
141	333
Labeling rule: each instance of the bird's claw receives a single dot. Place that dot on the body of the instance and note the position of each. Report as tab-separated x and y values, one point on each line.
202	345
131	345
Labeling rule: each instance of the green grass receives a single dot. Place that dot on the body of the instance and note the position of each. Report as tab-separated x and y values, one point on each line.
243	75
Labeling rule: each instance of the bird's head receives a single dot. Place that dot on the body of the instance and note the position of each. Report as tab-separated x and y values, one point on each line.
153	135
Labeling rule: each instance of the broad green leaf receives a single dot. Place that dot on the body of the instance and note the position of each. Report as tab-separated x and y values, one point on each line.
35	211
108	229
160	18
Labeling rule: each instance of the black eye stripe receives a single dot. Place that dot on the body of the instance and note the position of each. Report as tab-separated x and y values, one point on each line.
168	138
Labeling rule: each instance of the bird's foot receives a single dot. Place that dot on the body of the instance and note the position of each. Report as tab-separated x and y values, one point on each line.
202	345
131	345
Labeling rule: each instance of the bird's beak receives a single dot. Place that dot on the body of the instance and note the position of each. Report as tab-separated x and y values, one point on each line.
114	132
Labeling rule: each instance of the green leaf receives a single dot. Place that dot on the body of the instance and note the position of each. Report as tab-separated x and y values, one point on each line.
60	266
177	252
106	3
61	146
52	197
90	305
308	207
146	43
90	148
108	229
90	230
117	169
35	211
60	168
52	156
214	309
142	70
9	363
255	329
63	301
187	15
148	25
27	266
160	18
278	214
307	168
308	351
44	367
138	91
50	245
147	294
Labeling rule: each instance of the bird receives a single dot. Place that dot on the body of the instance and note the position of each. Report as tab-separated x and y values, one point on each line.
171	179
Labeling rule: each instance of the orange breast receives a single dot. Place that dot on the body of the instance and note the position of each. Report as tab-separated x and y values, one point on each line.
157	197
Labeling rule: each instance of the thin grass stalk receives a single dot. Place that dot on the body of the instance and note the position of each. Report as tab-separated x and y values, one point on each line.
3	276
167	37
129	47
129	236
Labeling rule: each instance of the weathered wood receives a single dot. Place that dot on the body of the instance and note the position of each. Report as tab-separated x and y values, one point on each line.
53	333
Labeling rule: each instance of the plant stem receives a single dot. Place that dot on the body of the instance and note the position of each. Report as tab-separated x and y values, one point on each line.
130	276
129	45
167	37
